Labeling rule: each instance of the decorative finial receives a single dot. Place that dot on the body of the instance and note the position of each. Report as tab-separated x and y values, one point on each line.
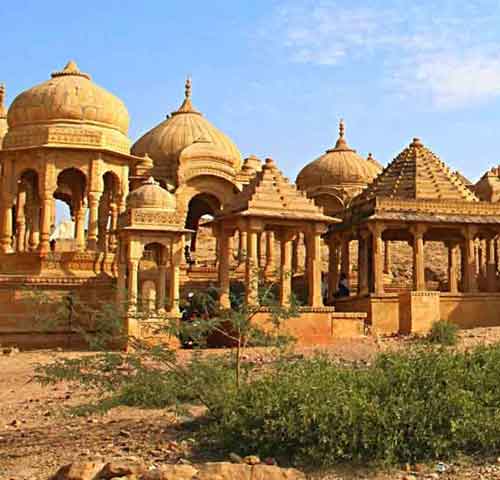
71	68
341	128
370	156
187	106
3	110
416	142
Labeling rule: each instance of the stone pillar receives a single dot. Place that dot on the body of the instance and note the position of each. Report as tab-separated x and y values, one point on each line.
270	261
133	279
93	228
491	268
34	235
110	244
346	261
80	228
177	252
377	258
47	206
251	271
363	284
313	251
452	267
286	268
295	253
387	257
333	268
242	246
259	249
418	258
162	281
6	225
121	284
470	281
224	263
21	219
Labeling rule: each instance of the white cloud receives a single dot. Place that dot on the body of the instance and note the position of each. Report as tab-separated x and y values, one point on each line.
449	55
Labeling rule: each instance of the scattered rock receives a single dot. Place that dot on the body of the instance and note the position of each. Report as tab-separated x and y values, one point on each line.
121	469
9	351
235	458
78	471
170	472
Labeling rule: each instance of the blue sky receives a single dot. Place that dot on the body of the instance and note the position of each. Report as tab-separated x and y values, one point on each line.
277	75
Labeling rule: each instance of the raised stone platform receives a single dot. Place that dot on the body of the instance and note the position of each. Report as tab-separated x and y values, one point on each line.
317	325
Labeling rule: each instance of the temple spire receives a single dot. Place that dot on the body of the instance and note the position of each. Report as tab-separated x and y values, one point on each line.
188	87
341	128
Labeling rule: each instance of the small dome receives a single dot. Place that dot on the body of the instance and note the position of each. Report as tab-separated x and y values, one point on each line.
340	165
69	98
182	128
151	195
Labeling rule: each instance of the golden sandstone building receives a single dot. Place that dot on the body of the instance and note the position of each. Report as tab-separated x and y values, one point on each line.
135	209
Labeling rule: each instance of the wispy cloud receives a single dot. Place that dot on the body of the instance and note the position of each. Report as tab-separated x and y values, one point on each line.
448	54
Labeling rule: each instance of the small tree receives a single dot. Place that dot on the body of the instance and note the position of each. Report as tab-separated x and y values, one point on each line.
153	366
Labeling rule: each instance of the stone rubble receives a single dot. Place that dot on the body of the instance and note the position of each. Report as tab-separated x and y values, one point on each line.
207	471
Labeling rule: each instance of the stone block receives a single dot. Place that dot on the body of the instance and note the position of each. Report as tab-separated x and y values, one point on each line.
418	311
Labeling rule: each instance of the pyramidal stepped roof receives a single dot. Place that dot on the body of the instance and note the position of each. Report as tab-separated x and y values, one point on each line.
270	194
418	174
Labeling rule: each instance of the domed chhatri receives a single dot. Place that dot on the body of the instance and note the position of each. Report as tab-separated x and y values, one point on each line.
151	195
338	165
337	175
187	127
46	113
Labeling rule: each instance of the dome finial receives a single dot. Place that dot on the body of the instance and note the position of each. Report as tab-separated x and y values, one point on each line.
2	99
341	128
188	87
71	68
187	106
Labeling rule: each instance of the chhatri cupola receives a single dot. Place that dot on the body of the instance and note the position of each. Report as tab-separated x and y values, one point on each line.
335	177
69	109
186	145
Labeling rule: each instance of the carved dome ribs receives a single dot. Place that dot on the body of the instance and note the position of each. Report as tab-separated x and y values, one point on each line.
338	166
186	133
55	111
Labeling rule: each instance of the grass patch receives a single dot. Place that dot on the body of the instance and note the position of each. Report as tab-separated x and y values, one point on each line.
443	333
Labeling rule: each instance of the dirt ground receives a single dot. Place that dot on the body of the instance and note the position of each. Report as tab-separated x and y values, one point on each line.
37	434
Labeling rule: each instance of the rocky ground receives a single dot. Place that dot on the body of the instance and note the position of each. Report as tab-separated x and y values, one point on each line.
38	435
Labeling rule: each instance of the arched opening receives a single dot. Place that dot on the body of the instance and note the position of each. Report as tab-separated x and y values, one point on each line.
201	209
332	205
27	212
154	256
71	191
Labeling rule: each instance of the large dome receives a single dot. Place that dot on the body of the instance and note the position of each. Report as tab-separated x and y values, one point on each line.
56	111
338	166
183	128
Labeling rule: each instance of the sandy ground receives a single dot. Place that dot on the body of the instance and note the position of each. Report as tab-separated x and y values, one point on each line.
37	434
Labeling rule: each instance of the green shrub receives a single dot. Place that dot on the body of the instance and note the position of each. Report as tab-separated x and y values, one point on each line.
444	333
405	408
